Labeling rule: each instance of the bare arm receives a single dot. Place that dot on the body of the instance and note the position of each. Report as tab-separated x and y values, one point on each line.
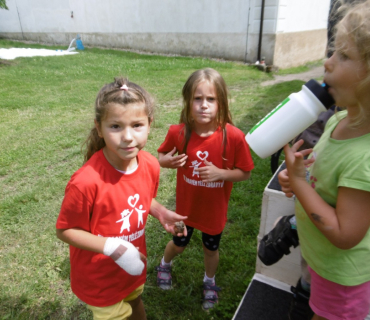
82	239
344	226
122	252
168	160
211	173
166	217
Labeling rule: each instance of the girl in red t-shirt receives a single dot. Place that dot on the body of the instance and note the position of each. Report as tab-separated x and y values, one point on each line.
106	205
212	154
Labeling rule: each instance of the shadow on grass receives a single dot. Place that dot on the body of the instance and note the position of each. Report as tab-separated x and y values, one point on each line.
18	308
24	306
6	63
65	266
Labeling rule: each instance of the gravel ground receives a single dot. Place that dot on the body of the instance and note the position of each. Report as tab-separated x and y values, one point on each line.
314	73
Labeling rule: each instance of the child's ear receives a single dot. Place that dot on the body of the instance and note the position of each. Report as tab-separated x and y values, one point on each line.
150	123
97	126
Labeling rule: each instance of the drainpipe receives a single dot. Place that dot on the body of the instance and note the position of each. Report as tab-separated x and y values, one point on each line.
261	30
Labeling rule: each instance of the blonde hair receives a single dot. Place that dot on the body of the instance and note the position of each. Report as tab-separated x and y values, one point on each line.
112	93
223	113
355	23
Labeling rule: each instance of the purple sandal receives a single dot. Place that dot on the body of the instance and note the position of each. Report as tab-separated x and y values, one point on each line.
210	297
164	279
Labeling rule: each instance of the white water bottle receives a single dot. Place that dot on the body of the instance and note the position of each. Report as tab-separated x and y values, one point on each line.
292	116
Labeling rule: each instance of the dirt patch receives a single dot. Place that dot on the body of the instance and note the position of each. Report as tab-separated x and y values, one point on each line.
5	63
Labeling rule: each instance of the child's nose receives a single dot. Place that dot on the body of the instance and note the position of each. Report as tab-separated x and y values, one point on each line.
126	135
328	64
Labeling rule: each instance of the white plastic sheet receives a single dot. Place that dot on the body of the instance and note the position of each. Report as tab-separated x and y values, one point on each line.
12	53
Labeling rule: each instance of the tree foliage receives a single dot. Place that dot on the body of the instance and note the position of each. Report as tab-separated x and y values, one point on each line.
3	5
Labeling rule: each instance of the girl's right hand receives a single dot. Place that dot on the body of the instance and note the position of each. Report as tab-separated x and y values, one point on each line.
168	160
142	257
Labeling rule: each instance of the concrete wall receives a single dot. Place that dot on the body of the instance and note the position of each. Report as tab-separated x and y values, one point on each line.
297	48
212	28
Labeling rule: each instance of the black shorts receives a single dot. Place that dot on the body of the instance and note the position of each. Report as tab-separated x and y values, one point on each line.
211	242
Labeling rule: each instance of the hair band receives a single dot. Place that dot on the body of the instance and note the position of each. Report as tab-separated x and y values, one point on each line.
124	87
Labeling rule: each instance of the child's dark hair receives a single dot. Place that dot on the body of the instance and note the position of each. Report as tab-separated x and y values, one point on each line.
223	114
122	92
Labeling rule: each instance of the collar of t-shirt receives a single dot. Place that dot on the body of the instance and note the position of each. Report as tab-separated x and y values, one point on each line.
129	171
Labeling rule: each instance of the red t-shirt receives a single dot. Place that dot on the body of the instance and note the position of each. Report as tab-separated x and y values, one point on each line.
206	204
105	202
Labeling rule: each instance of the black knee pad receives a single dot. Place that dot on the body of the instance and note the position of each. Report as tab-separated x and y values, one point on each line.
277	242
211	242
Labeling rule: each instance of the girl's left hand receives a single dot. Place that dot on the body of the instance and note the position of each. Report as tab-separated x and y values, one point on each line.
210	173
295	162
168	220
283	178
283	175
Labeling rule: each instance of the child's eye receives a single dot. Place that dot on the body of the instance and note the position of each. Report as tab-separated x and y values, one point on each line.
211	99
197	98
138	125
114	126
342	55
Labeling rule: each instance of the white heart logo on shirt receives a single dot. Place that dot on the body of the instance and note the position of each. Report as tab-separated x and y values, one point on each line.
132	200
202	155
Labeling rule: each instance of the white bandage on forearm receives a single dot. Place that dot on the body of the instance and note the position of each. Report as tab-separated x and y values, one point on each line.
125	255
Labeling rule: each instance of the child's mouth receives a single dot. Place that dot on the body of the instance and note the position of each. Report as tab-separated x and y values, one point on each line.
325	86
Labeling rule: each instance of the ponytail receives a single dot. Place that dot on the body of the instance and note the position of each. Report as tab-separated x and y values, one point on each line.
93	144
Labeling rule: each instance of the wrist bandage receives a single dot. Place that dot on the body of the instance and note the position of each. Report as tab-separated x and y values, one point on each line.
125	255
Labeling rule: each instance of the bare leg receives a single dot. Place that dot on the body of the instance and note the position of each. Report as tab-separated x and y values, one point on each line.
172	251
138	311
316	317
211	259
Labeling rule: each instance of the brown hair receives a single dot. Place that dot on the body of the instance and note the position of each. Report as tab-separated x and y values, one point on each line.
223	114
112	93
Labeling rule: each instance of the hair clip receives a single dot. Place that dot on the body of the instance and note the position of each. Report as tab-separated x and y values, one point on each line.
124	87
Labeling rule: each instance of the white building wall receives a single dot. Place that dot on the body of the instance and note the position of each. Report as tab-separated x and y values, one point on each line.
139	16
301	32
270	16
213	28
302	15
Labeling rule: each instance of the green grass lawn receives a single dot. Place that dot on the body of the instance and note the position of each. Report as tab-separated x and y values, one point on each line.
46	112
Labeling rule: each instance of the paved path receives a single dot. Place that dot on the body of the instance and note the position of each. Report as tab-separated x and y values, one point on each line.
304	76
